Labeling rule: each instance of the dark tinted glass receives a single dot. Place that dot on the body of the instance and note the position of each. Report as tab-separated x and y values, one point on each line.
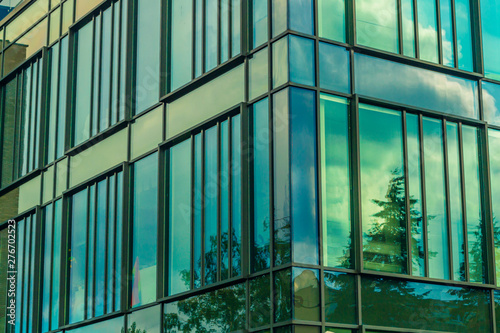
340	298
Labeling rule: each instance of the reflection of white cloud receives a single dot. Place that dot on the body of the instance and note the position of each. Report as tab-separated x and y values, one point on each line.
491	93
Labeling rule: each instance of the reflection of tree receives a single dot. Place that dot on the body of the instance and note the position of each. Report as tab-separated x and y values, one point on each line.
133	329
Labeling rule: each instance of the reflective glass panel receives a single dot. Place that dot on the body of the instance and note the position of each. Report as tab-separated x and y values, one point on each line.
301	16
259	22
331	19
408	22
145	321
83	84
211	205
334	68
377	24
282	295
182	34
280	16
447	44
260	301
236	222
235	27
258	76
302	69
306	294
427	30
494	150
491	102
490	16
280	62
340	298
464	35
211	29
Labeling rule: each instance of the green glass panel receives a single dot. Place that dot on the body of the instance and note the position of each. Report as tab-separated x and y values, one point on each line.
336	197
283	295
211	31
47	264
224	200
427	30
435	195
145	321
197	211
377	24
236	191
235	27
494	157
280	15
341	330
491	102
114	325
280	62
306	329
55	22
83	84
258	76
52	100
306	294
301	17
259	22
408	22
490	16
340	298
181	36
331	20
447	44
211	206
302	68
8	128
260	301
382	189
56	257
224	30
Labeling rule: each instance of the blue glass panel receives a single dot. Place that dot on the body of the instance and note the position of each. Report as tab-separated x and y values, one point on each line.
211	29
302	69
494	149
382	189
180	218
197	255
408	22
491	102
77	259
100	249
144	218
427	30
83	82
148	54
377	24
331	19
336	197
303	169
236	165
437	230
57	267
464	35
259	22
490	16
301	16
261	196
447	33
224	200
182	34
334	68
211	203
414	86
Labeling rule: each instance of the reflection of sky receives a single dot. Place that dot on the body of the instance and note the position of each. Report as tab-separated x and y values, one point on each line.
108	326
146	320
491	102
415	86
490	16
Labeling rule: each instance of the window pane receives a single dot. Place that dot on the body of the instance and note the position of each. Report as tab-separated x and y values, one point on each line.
414	189
108	326
340	298
494	150
490	16
83	84
301	16
236	27
464	35
180	218
491	102
258	76
280	62
447	33
106	62
144	217
182	34
283	295
55	21
148	54
224	198
52	100
382	189
408	22
211	203
9	119
280	16
306	294
47	265
211	29
57	267
331	19
377	24
259	23
261	193
224	30
260	301
335	181
302	69
197	238
427	30
61	122
100	250
236	222
437	230
334	68
147	320
475	221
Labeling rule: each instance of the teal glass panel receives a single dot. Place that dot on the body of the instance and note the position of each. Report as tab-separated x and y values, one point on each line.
211	29
25	110
47	265
331	20
455	208
302	69
123	59
408	23
52	100
340	298
147	81
464	35
31	299
179	218
423	306
435	195
236	222
77	259
119	235
91	248
56	257
110	243
491	102
259	22
334	68
61	110
211	205
261	189
258	74
224	200
494	149
145	321
114	325
96	75
280	16
306	294
377	30
303	176
181	36
490	16
335	191
224	30
83	84
100	248
197	211
235	27
260	301
427	30
106	63
416	87
115	65
382	189
144	224
281	170
413	142
283	295
447	33
221	310
8	131
475	222
20	246
280	62
198	49
301	16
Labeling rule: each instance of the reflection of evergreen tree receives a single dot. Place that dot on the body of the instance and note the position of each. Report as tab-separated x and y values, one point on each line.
133	329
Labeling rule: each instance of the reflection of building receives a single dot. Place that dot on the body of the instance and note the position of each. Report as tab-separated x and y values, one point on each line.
252	166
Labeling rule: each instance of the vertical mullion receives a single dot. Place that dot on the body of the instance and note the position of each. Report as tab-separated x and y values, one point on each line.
424	194
440	36
407	196
448	204
464	204
454	32
415	26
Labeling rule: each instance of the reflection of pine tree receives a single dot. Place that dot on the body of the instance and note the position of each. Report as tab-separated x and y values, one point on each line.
133	329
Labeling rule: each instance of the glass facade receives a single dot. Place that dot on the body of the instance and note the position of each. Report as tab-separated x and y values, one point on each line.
249	166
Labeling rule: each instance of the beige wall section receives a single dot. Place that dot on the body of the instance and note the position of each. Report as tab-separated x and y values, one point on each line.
207	101
8	205
48	184
29	194
146	132
98	158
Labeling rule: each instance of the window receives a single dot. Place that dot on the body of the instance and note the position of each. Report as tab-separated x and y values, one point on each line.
95	247
494	149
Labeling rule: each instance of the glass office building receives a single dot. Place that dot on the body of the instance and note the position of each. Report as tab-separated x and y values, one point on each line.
250	166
